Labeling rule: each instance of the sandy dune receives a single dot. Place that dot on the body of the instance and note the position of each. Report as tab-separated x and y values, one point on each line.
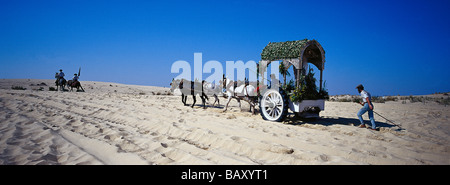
126	124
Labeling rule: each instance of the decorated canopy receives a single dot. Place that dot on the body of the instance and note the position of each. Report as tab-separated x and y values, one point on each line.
305	50
297	53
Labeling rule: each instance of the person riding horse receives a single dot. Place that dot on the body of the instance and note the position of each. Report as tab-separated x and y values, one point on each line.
60	81
75	81
59	77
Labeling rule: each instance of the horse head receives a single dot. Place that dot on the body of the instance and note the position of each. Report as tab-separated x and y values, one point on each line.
180	85
173	84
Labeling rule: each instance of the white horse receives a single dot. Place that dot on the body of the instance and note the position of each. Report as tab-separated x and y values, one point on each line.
211	89
240	92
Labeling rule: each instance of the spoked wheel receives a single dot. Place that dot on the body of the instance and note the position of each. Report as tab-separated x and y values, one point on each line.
274	105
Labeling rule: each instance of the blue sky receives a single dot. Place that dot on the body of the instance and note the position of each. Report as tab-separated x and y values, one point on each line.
392	47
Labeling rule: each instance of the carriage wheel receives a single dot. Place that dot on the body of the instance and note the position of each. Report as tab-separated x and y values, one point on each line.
274	105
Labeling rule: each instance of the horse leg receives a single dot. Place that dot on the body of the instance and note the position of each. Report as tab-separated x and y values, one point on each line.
216	99
228	102
61	84
57	84
205	96
252	105
195	100
239	101
203	101
183	99
248	100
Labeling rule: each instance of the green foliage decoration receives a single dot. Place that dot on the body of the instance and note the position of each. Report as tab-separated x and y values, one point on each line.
308	89
282	50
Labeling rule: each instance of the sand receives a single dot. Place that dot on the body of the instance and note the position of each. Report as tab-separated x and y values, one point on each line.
115	123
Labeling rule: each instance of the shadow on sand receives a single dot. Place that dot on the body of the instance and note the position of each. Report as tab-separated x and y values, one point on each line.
327	121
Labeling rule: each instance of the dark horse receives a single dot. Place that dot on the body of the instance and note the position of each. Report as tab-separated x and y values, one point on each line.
185	91
75	84
60	82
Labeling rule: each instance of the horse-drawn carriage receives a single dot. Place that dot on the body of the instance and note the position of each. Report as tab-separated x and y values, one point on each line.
304	99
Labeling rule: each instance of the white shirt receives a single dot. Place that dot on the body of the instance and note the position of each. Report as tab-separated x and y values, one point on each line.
364	95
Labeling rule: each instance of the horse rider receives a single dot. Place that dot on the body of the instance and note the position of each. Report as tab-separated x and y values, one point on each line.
60	76
75	79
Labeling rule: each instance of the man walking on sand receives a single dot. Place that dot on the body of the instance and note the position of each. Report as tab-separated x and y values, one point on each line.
367	107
